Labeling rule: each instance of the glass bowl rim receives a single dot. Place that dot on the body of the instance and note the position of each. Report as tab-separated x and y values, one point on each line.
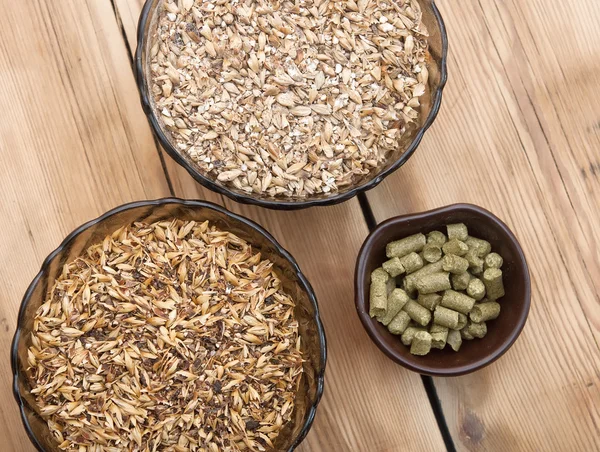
142	84
303	281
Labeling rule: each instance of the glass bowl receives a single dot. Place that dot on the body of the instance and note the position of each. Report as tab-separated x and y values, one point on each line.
430	105
502	332
293	282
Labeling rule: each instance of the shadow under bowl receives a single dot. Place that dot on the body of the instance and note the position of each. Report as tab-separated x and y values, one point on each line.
430	105
502	332
311	330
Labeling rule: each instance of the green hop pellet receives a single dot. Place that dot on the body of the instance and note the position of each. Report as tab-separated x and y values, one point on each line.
466	335
411	262
458	231
399	323
432	253
401	248
481	247
396	301
454	340
434	328
436	238
455	264
409	334
478	330
446	317
379	292
460	282
429	301
475	262
393	267
462	321
421	343
436	282
493	260
483	312
461	267
439	335
455	247
418	313
476	289
494	286
411	280
457	301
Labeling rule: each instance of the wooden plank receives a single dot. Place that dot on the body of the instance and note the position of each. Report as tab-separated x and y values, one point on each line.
128	14
73	145
557	115
369	402
515	130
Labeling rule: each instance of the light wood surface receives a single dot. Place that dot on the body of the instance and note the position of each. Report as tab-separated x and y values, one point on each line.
72	145
518	134
78	144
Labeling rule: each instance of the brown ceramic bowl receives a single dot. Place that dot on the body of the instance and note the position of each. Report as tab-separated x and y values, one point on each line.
502	332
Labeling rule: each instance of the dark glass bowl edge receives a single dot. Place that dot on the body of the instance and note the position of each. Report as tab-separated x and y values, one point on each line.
274	204
157	203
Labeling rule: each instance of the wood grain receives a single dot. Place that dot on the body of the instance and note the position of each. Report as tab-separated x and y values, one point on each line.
518	135
72	145
76	144
360	410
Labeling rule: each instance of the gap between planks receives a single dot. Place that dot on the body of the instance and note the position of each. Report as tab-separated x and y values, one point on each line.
131	55
428	383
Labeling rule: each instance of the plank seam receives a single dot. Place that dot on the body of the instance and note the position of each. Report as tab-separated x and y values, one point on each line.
161	157
428	384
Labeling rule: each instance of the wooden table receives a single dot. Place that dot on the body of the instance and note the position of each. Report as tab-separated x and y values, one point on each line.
518	133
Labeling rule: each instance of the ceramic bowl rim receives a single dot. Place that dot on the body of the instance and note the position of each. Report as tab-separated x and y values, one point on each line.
413	363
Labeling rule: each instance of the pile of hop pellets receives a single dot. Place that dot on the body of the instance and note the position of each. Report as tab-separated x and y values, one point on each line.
437	289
